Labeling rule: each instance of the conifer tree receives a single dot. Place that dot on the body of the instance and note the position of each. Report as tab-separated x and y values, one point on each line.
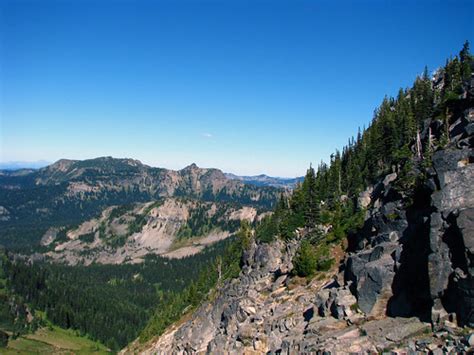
311	204
465	58
305	262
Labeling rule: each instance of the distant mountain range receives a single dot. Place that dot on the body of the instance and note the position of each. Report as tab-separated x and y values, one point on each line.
265	180
15	165
257	180
70	192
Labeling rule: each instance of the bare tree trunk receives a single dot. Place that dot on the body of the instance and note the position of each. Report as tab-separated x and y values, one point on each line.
418	145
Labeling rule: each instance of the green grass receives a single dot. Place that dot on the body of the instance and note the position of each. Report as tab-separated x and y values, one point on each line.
53	341
27	346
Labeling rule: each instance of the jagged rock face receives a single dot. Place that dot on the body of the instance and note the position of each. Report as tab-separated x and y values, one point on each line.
236	317
451	262
371	273
418	261
414	265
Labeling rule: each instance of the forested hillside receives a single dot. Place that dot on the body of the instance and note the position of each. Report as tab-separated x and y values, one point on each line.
109	303
404	134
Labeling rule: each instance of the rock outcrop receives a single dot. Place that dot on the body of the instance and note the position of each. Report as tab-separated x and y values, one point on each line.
418	260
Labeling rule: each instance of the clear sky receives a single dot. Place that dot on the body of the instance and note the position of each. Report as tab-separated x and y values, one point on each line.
246	86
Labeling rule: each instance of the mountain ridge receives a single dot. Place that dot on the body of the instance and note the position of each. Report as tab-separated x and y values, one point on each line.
69	192
63	164
266	180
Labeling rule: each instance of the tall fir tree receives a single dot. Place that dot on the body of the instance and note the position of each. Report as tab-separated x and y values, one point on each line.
311	209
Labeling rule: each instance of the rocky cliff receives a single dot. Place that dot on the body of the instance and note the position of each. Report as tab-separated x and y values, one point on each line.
418	260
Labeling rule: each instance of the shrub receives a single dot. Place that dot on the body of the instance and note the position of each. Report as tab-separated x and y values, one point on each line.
305	261
267	230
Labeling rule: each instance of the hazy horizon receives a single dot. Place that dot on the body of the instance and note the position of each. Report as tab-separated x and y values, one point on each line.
246	87
16	165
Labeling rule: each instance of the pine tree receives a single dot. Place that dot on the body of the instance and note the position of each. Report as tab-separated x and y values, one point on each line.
466	59
404	119
305	262
452	81
311	203
245	234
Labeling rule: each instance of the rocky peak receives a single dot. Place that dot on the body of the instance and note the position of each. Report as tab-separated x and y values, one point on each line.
200	177
62	165
191	167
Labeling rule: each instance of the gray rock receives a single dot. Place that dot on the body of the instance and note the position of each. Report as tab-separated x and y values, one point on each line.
470	340
364	199
465	223
278	282
342	305
469	129
394	329
389	179
455	180
370	277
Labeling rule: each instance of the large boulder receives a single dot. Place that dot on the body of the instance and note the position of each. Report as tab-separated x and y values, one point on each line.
336	302
455	175
371	274
463	279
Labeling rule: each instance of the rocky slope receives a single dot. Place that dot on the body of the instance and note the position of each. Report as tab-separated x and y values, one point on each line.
265	310
406	281
172	227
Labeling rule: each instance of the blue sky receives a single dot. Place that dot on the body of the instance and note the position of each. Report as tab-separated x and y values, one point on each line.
246	86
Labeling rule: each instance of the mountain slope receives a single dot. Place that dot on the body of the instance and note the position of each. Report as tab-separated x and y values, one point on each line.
400	201
171	227
70	192
412	264
107	303
265	310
